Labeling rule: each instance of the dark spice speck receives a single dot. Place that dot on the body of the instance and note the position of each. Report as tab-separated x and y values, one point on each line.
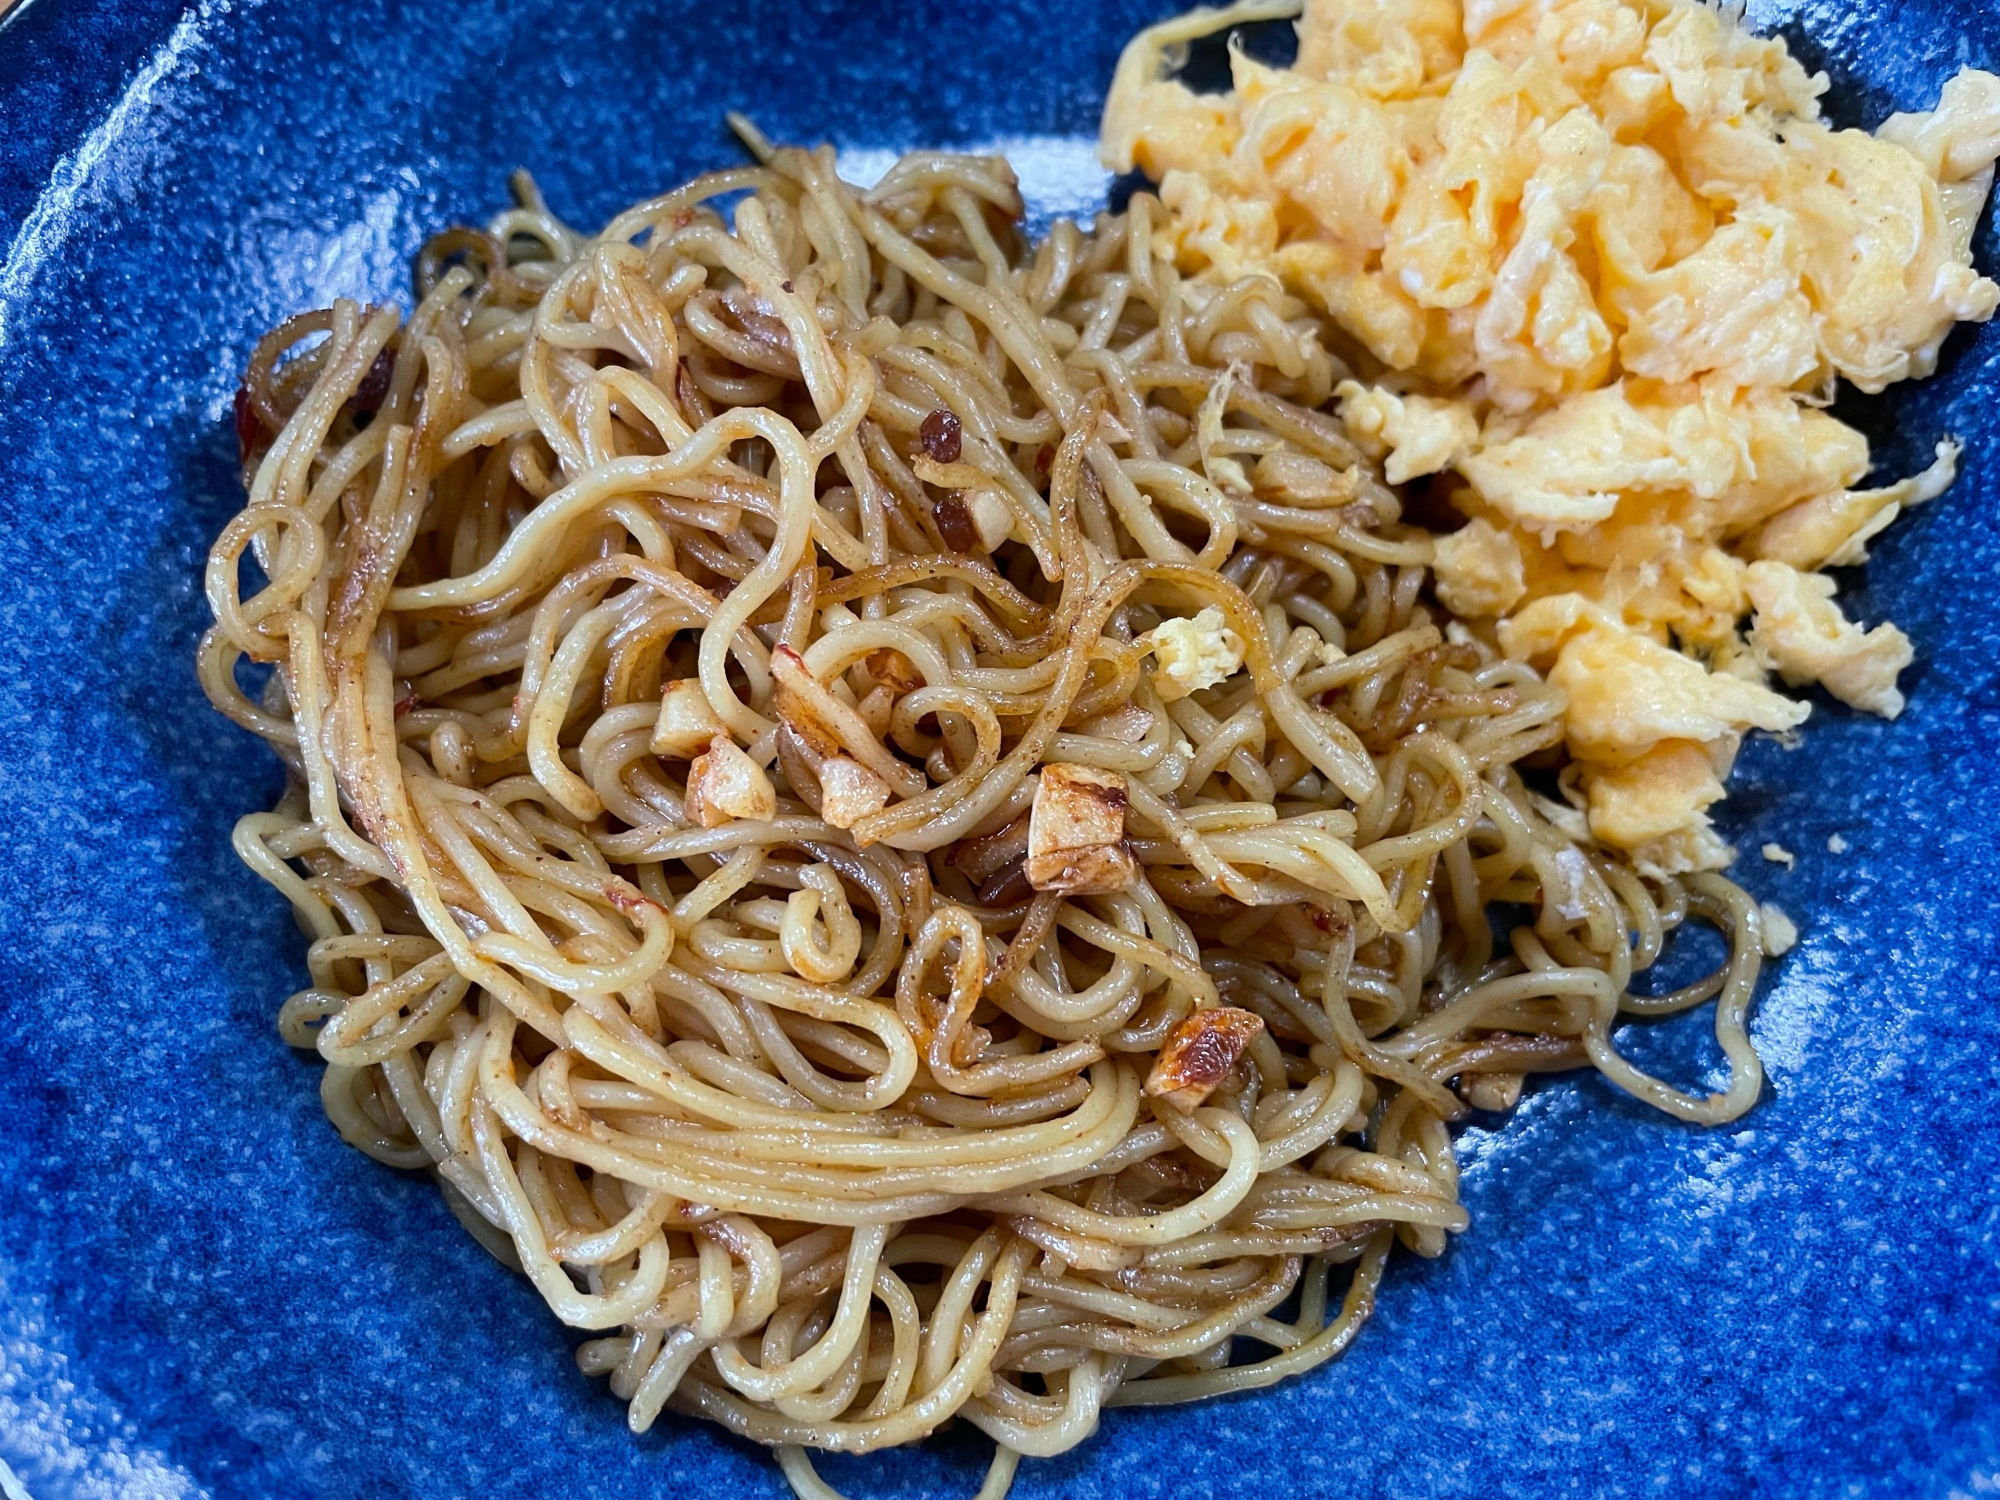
942	436
954	523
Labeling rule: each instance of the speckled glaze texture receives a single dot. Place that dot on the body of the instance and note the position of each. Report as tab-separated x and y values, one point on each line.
204	1293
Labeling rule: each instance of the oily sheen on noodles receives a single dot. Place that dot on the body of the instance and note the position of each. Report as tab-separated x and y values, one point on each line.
885	808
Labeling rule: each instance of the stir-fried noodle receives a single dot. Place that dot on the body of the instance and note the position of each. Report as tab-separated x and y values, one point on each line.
774	845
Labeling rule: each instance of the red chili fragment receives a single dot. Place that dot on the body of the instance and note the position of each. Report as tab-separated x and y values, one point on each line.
251	433
628	901
942	436
375	384
407	702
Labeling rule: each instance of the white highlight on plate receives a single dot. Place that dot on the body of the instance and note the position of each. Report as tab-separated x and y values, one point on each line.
48	223
1060	174
306	265
53	1415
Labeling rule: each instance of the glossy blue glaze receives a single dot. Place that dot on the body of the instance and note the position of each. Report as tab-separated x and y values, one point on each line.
202	1292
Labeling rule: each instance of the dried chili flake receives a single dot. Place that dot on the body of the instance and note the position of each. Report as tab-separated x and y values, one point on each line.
942	436
251	433
375	384
954	523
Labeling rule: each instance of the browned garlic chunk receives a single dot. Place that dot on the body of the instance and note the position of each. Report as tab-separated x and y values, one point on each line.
1076	832
991	519
725	784
1498	1092
891	669
826	727
686	723
849	791
1200	1053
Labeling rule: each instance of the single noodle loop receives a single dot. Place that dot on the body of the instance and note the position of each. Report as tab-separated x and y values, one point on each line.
745	1026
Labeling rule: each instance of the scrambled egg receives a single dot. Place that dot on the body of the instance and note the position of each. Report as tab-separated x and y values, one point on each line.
1600	262
1191	654
1801	634
1781	933
1412	435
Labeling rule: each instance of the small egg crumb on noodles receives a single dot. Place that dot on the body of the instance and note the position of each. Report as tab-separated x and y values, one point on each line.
887	810
1597	264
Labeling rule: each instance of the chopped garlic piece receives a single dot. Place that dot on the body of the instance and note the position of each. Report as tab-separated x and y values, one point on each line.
849	791
891	669
725	784
1076	832
1497	1092
991	519
686	723
1778	854
826	725
1199	1054
973	515
1189	655
1297	478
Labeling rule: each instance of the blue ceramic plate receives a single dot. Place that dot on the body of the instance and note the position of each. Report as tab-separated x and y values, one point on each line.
203	1292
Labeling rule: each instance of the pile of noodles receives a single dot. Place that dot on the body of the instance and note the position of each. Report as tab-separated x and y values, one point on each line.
834	1134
